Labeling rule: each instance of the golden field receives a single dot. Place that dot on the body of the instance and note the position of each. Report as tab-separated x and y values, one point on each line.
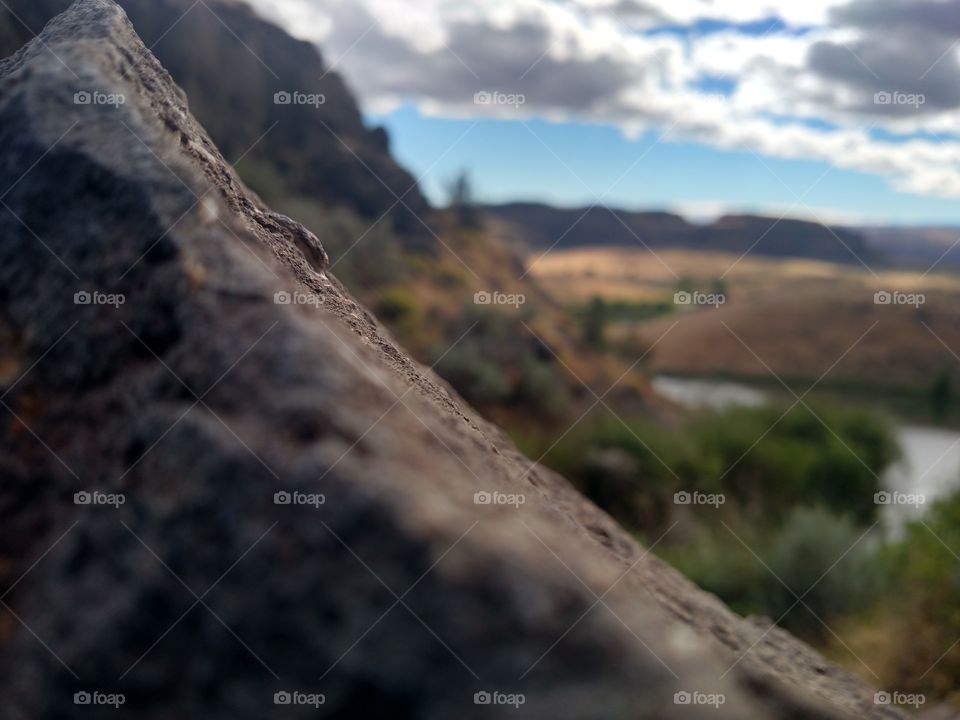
797	319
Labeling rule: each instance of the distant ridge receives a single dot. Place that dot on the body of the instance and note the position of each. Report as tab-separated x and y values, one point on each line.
541	226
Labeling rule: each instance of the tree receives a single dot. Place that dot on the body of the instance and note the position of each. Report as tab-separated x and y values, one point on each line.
462	203
595	323
941	395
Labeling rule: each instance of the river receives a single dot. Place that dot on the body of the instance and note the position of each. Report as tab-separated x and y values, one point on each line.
930	467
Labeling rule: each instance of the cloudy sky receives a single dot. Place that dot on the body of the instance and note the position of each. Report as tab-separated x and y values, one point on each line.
840	110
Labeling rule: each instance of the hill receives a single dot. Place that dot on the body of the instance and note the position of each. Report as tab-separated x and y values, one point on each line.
538	227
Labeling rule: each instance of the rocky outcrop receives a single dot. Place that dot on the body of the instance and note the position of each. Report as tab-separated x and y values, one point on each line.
222	480
232	63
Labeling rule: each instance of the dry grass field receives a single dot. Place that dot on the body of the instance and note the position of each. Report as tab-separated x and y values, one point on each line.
798	319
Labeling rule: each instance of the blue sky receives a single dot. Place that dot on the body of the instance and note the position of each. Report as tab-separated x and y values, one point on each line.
506	163
854	105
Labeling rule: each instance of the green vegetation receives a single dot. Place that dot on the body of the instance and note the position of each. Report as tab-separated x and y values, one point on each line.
595	323
941	396
782	573
500	363
766	460
462	203
920	608
797	489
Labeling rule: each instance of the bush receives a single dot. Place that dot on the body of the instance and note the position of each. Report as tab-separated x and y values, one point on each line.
765	467
923	619
764	572
397	307
803	557
480	382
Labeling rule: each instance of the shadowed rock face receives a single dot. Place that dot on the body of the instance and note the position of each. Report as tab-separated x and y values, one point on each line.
231	63
147	356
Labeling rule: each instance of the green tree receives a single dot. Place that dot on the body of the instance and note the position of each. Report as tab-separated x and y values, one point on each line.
941	396
595	323
462	202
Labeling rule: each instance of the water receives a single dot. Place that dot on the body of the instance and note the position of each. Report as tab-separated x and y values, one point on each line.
931	456
930	467
709	394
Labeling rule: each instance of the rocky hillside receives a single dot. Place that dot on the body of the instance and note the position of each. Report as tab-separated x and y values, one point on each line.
226	488
541	226
232	65
320	165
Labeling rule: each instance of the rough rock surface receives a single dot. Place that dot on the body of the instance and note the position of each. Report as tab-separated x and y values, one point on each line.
201	396
231	62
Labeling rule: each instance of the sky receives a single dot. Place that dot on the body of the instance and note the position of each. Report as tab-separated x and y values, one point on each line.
842	111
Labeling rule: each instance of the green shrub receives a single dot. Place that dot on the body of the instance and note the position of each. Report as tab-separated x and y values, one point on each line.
765	571
481	383
765	464
820	557
397	307
923	620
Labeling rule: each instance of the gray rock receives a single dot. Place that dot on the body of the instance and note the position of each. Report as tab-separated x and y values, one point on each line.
203	394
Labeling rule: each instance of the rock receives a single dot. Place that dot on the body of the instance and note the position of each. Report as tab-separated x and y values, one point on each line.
322	152
222	480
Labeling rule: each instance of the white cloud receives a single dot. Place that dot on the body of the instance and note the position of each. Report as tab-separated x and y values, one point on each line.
597	61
